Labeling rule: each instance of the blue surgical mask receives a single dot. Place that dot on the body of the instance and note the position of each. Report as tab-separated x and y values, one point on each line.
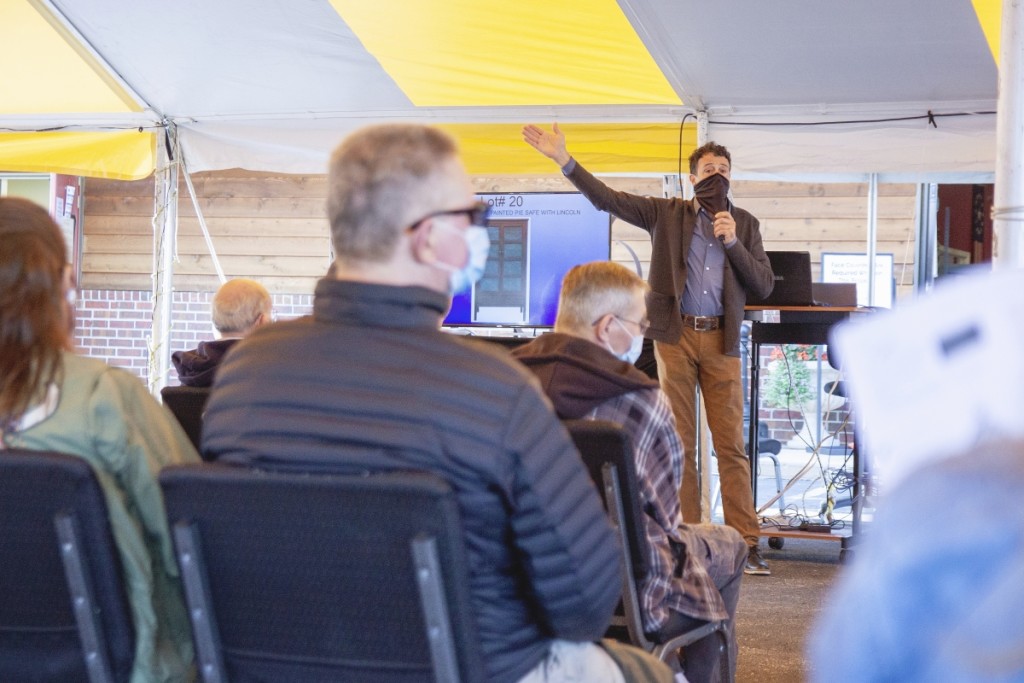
635	346
478	245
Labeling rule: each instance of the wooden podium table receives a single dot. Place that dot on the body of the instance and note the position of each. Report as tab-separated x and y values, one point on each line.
797	325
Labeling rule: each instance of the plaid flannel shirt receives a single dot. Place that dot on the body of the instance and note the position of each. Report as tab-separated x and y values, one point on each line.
647	417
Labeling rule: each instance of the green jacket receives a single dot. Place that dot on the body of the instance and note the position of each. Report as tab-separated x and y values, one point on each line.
106	416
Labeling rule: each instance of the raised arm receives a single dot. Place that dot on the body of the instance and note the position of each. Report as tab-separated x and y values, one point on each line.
549	143
639	211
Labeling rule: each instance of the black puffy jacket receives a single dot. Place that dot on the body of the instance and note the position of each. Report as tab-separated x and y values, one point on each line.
371	366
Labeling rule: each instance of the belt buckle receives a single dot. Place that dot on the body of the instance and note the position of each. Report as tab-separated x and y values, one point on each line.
703	323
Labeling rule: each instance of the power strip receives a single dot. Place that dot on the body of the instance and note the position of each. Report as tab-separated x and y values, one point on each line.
816	528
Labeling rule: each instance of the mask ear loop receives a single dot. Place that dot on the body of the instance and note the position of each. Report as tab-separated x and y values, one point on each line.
622	327
423	242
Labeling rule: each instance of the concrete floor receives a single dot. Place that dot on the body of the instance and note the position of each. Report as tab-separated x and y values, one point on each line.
777	612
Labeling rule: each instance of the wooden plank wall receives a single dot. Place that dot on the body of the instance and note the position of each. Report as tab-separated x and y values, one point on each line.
272	227
268	227
833	218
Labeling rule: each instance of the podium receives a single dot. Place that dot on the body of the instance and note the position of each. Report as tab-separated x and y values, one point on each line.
797	325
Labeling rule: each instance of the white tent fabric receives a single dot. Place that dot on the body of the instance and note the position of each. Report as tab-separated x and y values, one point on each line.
274	85
756	65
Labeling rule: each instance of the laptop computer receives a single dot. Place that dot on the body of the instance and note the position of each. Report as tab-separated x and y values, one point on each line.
792	271
834	293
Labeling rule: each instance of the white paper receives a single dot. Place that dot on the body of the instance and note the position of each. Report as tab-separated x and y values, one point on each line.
939	374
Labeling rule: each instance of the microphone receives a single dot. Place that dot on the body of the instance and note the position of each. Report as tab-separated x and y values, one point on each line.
721	238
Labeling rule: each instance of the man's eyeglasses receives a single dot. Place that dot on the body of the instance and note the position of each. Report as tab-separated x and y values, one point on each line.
477	214
642	325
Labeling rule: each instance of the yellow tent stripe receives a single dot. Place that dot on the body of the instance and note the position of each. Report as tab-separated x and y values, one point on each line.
498	149
990	17
46	71
497	53
121	155
87	58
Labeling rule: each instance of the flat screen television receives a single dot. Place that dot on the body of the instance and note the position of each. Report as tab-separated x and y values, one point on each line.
535	239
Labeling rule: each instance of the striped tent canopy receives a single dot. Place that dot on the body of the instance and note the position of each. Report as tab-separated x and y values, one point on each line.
800	88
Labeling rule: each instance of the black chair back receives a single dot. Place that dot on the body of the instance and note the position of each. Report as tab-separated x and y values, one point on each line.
188	405
319	577
43	637
600	442
607	451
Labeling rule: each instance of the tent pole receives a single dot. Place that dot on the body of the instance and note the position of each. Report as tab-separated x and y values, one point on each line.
703	430
165	230
872	236
925	262
1008	204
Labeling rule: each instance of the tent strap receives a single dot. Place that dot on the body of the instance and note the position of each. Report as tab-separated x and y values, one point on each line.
202	220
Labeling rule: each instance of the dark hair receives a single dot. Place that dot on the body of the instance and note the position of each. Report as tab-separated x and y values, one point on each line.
712	148
33	313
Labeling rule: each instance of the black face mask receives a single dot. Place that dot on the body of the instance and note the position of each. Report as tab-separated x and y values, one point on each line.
713	193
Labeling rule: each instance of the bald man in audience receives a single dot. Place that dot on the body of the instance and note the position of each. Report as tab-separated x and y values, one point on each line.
239	307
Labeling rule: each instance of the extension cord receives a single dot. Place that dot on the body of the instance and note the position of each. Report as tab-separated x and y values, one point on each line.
816	528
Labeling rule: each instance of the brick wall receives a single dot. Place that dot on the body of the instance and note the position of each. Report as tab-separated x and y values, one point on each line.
785	425
837	429
115	325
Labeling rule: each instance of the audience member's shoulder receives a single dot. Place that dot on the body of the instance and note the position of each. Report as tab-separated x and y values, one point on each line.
653	400
84	366
654	395
493	354
291	325
275	332
91	375
995	465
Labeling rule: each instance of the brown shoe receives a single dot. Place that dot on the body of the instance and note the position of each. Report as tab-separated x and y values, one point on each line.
755	563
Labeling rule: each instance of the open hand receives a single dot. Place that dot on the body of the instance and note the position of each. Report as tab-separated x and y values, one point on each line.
549	143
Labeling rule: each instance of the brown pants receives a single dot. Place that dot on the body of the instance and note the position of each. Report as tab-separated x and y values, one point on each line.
698	359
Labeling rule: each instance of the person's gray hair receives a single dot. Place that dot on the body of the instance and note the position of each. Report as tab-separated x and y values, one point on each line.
382	178
238	305
592	290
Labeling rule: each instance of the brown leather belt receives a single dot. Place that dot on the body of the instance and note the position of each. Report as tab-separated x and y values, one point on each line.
703	323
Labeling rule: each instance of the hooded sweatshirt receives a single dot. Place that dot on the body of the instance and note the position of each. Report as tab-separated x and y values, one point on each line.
578	375
197	368
584	380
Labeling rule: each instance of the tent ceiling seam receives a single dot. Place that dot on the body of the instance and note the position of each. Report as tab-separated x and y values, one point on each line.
49	10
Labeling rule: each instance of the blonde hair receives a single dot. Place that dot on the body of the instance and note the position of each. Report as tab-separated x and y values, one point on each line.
238	305
380	179
592	290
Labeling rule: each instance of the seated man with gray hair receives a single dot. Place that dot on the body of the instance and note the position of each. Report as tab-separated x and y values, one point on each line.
586	368
239	307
